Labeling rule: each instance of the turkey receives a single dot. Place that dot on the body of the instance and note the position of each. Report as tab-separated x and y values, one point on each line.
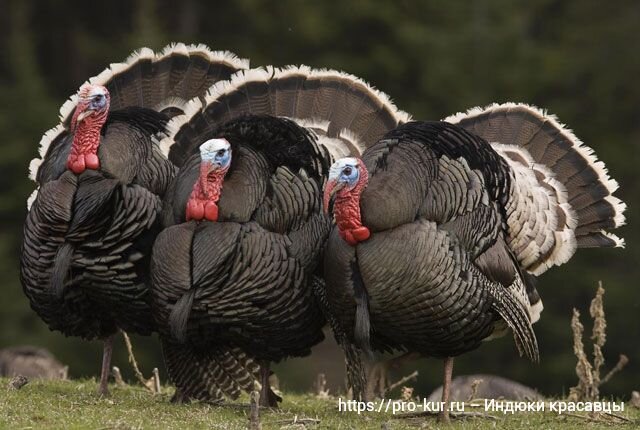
441	228
238	264
101	178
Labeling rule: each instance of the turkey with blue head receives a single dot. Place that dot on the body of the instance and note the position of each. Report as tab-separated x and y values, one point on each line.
238	266
101	178
441	228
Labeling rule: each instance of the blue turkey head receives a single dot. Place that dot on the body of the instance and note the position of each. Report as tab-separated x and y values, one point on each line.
217	152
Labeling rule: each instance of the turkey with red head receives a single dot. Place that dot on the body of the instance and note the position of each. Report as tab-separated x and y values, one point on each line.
237	266
101	178
441	227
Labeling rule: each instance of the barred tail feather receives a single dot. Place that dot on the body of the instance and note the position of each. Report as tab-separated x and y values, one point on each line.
348	114
571	203
209	376
163	81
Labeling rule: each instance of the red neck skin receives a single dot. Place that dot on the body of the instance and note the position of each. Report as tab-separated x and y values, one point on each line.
347	211
203	202
86	139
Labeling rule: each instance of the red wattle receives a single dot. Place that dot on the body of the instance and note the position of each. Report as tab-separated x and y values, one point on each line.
211	211
92	161
77	164
361	233
348	237
195	210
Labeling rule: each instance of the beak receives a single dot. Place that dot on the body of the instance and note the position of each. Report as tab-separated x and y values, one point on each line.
330	191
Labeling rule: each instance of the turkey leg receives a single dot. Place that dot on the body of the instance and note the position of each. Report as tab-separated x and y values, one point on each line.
446	388
107	350
267	397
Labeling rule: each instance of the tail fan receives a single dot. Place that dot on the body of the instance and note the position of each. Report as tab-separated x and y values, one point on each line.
209	376
163	81
345	112
513	311
561	197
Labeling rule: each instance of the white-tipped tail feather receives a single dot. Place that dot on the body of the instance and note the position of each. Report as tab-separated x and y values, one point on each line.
346	113
167	85
561	196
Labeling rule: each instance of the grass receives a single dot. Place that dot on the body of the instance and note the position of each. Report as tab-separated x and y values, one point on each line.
75	405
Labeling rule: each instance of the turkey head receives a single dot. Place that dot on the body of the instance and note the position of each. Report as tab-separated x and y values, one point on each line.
348	177
86	124
215	157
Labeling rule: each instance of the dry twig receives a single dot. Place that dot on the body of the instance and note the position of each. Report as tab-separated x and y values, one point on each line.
589	380
254	414
456	415
17	382
474	389
321	386
117	375
151	383
622	362
404	380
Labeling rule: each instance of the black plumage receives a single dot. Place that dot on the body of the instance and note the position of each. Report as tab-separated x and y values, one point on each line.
461	218
244	281
250	280
88	235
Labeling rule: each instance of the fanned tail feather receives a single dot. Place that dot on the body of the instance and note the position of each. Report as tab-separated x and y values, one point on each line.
562	196
163	81
514	312
345	112
211	376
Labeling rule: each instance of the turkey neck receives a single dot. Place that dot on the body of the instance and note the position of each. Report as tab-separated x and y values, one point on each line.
347	205
209	186
203	202
86	137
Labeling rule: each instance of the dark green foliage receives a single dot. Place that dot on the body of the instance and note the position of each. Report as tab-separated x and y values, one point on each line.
579	60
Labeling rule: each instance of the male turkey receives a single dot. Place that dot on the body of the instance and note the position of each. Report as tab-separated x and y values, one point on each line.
101	178
237	266
440	228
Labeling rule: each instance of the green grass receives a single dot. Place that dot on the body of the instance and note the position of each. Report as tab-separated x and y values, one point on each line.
75	405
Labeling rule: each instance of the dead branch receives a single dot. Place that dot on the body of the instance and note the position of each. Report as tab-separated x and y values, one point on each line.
583	368
149	384
599	337
474	389
254	414
117	375
17	382
622	362
456	415
402	381
321	386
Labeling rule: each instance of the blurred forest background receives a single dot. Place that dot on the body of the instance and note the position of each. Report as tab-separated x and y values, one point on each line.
578	59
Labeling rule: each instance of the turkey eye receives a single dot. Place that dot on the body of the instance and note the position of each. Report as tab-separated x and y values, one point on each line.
98	97
347	171
220	152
